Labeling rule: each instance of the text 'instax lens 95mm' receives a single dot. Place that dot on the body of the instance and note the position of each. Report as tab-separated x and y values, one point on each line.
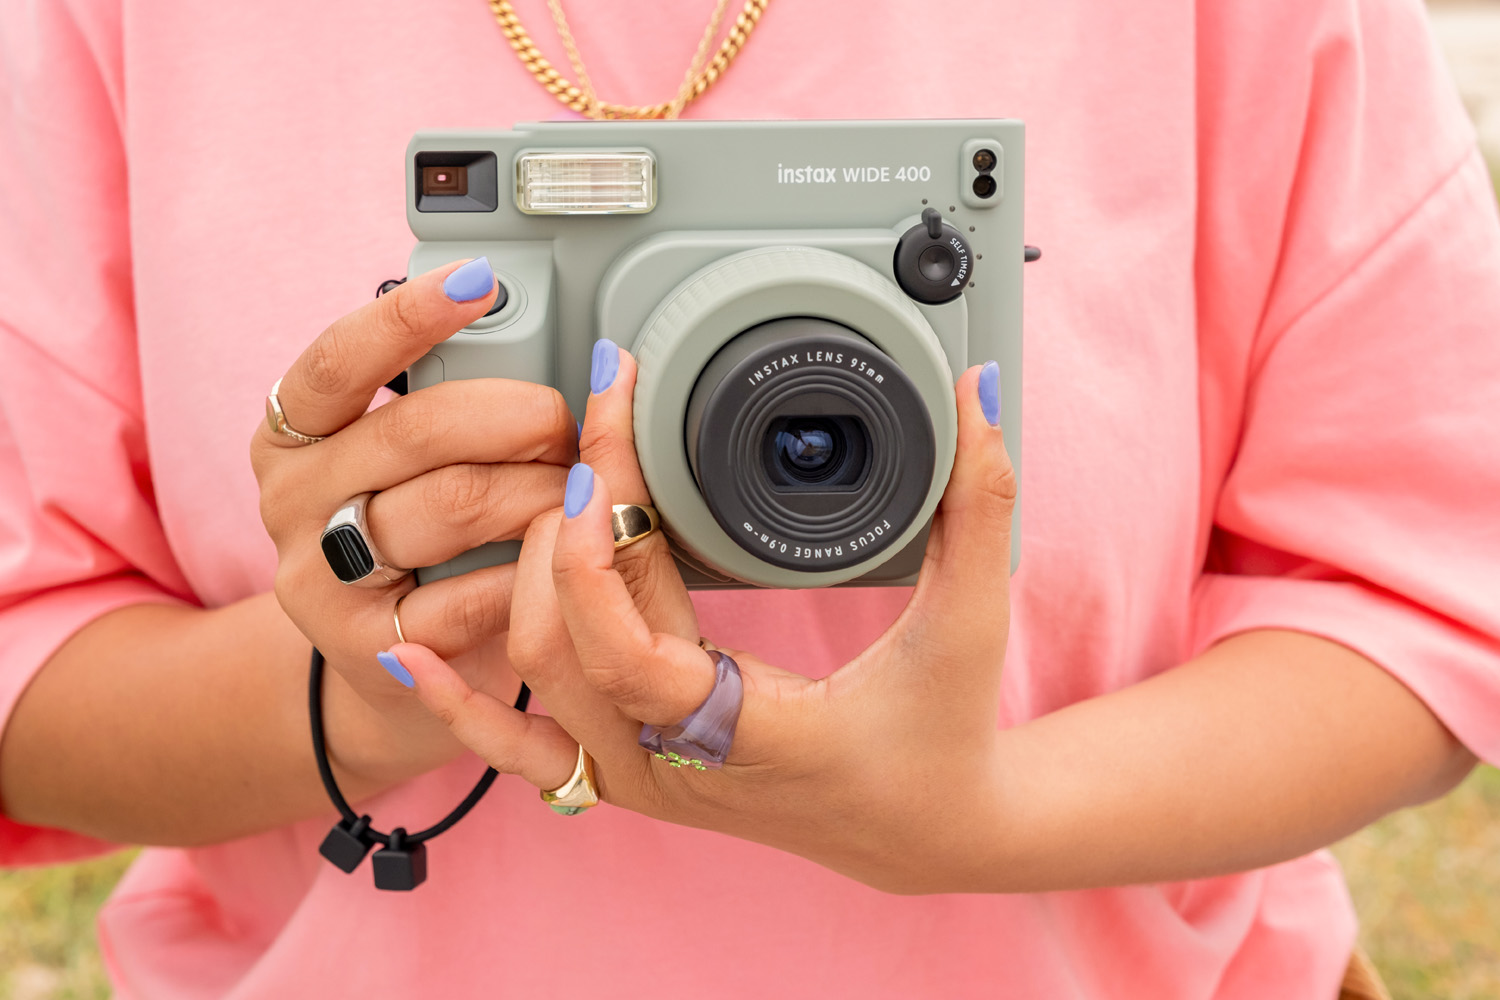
811	448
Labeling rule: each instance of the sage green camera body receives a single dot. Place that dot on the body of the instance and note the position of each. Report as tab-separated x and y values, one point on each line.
750	223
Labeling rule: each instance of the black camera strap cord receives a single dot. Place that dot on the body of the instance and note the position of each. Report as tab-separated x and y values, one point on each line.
401	864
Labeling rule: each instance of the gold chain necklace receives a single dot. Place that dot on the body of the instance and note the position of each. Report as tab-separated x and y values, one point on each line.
580	96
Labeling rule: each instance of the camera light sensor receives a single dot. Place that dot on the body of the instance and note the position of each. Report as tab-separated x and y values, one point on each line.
619	182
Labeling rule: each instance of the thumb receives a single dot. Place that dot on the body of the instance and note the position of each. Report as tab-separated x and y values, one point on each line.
962	599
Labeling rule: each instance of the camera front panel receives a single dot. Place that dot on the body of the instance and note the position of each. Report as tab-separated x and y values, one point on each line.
588	248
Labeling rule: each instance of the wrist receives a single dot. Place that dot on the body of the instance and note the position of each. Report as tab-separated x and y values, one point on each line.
972	830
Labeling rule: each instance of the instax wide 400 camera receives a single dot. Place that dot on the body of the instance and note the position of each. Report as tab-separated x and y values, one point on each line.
800	297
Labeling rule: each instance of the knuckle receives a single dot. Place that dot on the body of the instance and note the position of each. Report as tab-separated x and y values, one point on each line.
405	425
270	515
555	410
402	318
545	410
569	568
260	457
272	503
1000	482
621	682
460	495
283	586
528	649
325	366
533	650
475	613
609	450
291	584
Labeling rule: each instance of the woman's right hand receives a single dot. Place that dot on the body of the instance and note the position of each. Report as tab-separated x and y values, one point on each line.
453	466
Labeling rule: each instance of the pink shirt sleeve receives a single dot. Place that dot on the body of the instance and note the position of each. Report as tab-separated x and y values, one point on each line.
79	534
1352	438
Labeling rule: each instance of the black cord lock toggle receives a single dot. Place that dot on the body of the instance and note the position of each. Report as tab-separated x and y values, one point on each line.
347	844
402	866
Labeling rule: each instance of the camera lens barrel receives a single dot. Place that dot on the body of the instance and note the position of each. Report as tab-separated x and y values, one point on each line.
811	447
718	453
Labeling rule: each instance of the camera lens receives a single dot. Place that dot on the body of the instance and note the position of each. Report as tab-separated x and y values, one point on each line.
808	449
984	186
984	161
811	448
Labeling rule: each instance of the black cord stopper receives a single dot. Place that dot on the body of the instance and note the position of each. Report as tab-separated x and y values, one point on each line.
401	865
347	843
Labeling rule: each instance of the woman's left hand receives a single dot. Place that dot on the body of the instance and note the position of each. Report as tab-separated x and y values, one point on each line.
880	771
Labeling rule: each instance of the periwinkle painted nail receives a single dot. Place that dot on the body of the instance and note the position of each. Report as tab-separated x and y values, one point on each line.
580	490
989	392
606	365
394	667
474	280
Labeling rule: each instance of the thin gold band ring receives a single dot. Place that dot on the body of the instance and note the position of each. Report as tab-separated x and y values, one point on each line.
396	615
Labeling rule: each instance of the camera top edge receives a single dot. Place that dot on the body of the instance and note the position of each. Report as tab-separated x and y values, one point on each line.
827	172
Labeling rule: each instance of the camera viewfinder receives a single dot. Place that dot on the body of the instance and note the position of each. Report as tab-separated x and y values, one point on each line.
445	180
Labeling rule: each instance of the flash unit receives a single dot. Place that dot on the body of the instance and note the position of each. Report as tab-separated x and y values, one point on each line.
614	182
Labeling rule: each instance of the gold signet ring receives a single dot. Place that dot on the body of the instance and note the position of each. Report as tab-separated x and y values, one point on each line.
631	522
276	419
578	792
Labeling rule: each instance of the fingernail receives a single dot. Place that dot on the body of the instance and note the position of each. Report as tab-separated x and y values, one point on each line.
395	669
989	392
579	424
580	490
472	281
606	365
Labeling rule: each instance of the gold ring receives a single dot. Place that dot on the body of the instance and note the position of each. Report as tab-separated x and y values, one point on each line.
631	522
396	614
276	419
578	792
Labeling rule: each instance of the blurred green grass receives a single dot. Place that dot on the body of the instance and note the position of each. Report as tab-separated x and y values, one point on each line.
1426	882
47	946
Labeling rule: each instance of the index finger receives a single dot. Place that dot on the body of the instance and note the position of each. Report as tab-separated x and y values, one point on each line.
655	677
333	381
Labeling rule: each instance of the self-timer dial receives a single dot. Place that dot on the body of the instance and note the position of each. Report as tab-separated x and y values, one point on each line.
933	262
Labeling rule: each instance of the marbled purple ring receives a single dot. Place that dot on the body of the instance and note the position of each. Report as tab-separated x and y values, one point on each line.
702	739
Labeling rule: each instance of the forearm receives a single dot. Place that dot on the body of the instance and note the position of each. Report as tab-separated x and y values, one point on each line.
178	726
1268	746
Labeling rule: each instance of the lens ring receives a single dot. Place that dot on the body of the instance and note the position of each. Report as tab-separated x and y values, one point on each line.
801	368
719	303
882	424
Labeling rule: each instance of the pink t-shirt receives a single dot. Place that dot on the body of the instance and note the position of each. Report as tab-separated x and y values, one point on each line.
1262	389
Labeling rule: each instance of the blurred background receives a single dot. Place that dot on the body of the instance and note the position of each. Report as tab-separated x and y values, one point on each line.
1426	881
